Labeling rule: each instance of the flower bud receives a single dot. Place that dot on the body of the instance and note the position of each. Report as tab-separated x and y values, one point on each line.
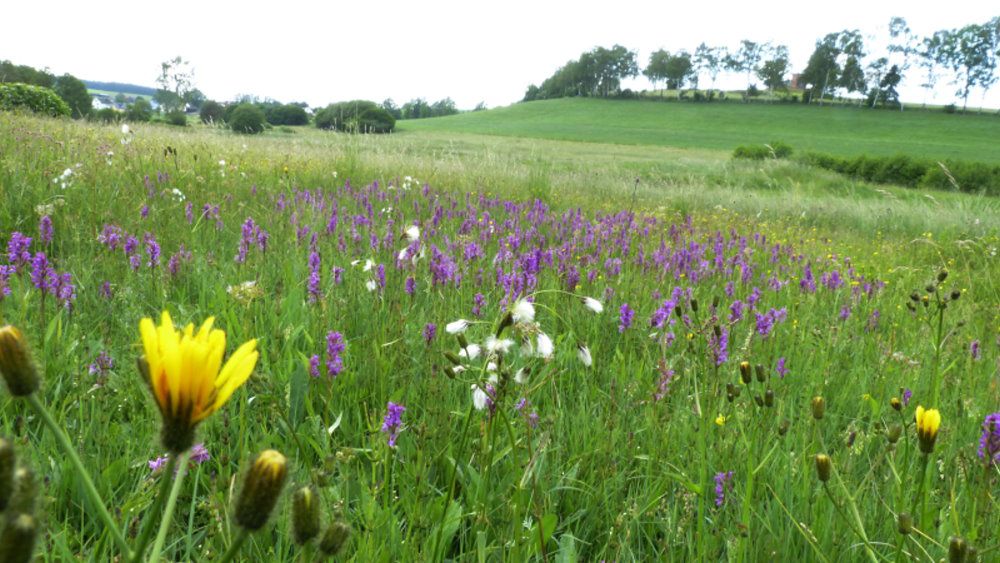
507	320
957	550
462	342
930	288
896	404
453	358
17	541
334	538
760	373
769	398
715	302
759	400
904	523
305	514
942	275
956	295
783	427
745	375
15	362
823	467
694	305
818	407
8	466
22	501
261	489
893	433
928	423
915	296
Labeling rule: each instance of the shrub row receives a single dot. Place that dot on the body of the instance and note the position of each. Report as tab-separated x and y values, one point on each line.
32	98
972	177
775	149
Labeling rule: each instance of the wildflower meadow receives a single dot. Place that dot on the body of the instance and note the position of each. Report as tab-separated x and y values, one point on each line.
280	349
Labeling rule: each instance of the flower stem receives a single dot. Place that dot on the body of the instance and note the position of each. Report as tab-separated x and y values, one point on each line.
168	512
88	483
147	529
451	484
234	547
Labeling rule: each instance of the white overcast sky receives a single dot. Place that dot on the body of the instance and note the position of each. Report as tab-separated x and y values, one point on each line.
472	51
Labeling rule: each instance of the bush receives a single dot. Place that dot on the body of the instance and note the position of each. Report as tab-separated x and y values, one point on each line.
32	98
212	112
106	115
902	170
75	94
358	116
776	149
178	118
139	111
247	119
287	114
950	108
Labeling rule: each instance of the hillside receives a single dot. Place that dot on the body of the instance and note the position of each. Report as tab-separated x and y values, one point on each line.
836	130
133	89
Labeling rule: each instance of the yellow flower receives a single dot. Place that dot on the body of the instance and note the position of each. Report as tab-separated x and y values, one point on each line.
261	489
928	422
182	369
720	420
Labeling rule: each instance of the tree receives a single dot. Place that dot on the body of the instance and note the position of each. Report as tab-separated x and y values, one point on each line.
679	70
74	93
139	110
175	84
194	98
772	72
391	107
970	53
836	62
709	59
746	59
656	70
248	119
930	59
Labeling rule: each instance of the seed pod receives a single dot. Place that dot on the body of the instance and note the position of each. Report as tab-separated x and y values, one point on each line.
17	541
818	407
904	523
823	467
261	489
16	365
305	514
334	538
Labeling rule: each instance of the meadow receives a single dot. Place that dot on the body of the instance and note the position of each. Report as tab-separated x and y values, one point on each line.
489	344
834	129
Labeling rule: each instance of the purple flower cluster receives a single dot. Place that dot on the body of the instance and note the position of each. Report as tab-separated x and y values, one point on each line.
252	234
18	253
393	422
335	346
989	441
625	316
430	329
313	283
101	364
722	481
45	229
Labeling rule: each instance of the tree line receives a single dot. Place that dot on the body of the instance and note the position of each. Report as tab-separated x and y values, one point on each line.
841	62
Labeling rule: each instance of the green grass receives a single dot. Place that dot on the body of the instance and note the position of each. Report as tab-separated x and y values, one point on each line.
724	126
614	470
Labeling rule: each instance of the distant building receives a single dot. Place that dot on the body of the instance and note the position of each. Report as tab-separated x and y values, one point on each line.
102	101
794	82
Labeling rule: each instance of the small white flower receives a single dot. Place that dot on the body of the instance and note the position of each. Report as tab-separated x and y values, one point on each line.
457	369
125	129
222	163
523	311
412	233
471	352
368	265
402	254
583	353
355	262
491	366
479	398
177	194
498	346
371	285
593	304
457	327
334	173
545	348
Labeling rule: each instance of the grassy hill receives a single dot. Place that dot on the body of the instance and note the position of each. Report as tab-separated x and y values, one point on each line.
723	126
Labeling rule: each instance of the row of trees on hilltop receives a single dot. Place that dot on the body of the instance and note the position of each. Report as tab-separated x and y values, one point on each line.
842	62
68	87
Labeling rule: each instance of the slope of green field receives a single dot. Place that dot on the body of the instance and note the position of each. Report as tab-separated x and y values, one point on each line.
836	130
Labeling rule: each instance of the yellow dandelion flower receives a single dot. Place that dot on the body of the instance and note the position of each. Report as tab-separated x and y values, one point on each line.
720	420
928	423
183	372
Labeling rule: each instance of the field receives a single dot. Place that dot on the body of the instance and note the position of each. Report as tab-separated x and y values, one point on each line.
659	340
843	131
